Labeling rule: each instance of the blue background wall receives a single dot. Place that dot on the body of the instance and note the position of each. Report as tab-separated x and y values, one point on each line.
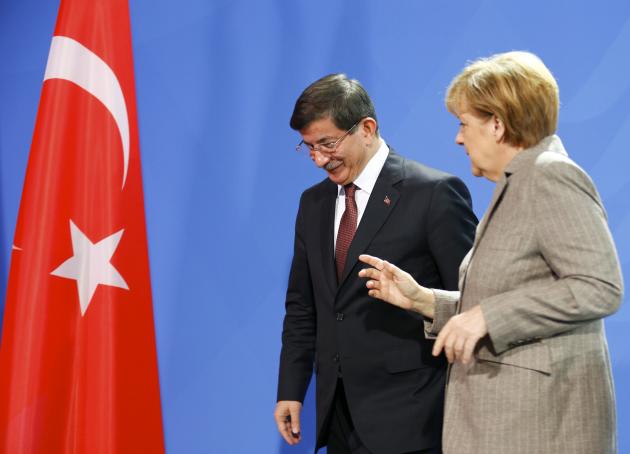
216	82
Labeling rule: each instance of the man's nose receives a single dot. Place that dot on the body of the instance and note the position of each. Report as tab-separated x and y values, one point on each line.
320	159
459	140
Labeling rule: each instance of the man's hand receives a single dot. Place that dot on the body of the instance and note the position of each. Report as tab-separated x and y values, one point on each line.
287	417
460	335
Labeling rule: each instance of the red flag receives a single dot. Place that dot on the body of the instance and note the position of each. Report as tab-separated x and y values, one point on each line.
78	367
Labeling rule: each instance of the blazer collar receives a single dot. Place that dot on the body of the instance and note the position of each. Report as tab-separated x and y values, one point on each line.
521	161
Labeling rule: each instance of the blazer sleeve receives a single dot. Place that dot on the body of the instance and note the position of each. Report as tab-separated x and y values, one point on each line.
575	242
299	328
451	228
445	307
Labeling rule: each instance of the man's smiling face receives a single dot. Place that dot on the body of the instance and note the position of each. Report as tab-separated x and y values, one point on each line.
348	159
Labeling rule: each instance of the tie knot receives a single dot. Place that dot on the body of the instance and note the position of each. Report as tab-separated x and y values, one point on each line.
350	189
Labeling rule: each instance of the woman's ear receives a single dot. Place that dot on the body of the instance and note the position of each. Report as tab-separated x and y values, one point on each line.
498	128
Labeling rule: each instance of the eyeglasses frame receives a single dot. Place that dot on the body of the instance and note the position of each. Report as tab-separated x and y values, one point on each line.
330	147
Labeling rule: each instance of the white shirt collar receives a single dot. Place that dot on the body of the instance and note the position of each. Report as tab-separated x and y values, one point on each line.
368	176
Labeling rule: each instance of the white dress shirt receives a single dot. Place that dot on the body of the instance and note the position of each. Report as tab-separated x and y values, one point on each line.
365	184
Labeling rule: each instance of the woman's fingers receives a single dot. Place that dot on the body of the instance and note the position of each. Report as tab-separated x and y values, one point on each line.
375	285
371	260
370	273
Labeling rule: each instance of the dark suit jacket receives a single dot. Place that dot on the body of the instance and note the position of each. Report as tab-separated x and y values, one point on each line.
419	219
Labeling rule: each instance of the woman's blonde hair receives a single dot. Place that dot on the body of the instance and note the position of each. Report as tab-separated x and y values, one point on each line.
517	88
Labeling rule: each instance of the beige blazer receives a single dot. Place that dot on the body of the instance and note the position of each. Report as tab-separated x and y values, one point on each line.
545	271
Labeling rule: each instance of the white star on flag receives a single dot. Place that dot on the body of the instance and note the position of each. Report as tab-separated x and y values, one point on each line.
90	265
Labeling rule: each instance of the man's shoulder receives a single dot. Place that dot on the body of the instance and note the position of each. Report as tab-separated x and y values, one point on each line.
419	170
415	171
418	178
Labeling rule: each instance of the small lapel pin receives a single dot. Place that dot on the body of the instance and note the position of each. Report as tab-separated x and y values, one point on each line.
387	200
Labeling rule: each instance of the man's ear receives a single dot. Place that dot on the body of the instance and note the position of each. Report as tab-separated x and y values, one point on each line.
368	126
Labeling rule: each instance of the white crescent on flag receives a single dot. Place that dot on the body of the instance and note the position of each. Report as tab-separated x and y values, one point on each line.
70	60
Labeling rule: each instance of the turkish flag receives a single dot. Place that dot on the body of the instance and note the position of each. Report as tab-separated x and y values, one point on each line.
78	367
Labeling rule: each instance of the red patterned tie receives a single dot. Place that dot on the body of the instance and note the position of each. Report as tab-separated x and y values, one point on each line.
347	227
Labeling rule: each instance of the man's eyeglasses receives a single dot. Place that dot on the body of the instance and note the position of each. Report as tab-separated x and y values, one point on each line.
328	147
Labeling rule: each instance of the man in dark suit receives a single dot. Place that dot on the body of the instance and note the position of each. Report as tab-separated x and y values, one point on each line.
379	390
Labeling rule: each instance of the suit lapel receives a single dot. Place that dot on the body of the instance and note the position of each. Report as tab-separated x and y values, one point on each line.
497	196
327	236
382	201
499	190
523	159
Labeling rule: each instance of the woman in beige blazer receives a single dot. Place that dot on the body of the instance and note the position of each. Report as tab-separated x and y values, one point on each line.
530	367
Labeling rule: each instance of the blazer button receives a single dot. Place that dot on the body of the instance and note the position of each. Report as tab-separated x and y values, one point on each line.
336	358
339	316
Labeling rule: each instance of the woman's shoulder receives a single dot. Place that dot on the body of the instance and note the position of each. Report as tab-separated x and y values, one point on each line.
555	174
553	164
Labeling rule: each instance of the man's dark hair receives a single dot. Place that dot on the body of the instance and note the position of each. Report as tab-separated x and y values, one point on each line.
344	100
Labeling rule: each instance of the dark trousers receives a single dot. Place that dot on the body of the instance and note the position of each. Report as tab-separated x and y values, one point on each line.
342	437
